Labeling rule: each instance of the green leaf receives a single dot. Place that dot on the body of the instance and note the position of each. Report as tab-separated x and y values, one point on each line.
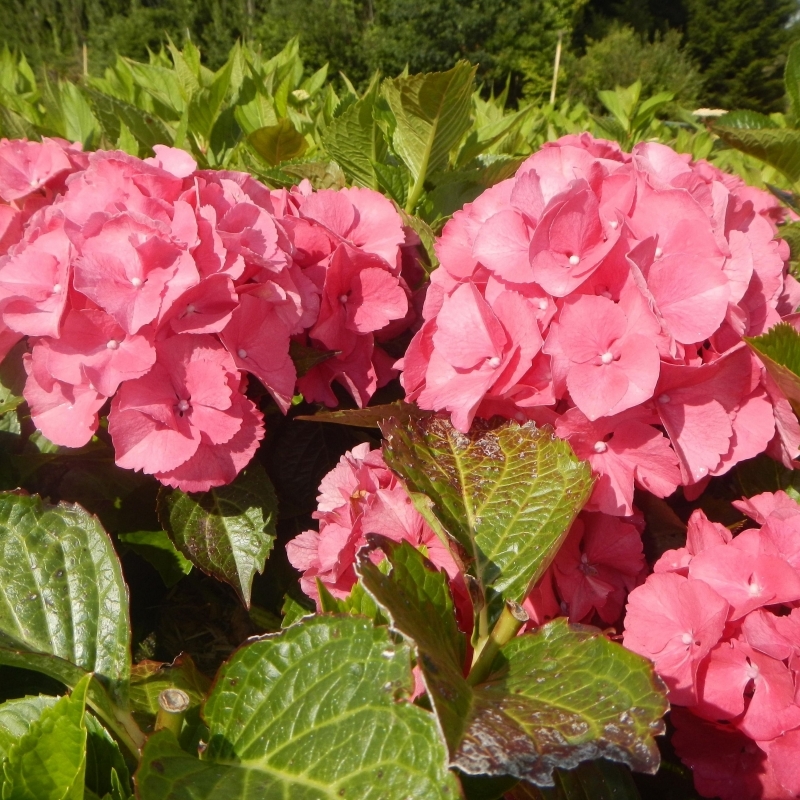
552	698
16	718
80	124
745	119
12	378
778	147
791	234
304	358
355	141
150	678
274	732
278	143
369	417
791	78
417	598
433	114
358	603
294	610
508	494
105	764
157	549
49	761
563	694
61	594
427	238
392	180
145	127
227	532
779	351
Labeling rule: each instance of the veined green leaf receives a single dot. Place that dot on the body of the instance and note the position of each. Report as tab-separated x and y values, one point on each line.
598	780
275	733
157	549
49	761
507	494
150	678
227	532
278	143
62	596
791	77
12	378
561	695
433	114
779	351
779	147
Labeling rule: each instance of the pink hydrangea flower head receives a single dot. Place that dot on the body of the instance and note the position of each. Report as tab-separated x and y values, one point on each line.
26	167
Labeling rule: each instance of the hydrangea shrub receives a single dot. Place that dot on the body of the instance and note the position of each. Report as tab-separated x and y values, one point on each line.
485	604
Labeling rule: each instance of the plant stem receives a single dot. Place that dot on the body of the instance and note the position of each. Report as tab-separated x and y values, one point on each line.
506	628
172	707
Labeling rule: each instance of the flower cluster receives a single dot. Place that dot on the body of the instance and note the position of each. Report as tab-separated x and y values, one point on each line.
720	618
361	495
607	294
162	287
600	561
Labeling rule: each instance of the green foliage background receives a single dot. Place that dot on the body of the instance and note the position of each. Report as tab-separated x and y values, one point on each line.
725	53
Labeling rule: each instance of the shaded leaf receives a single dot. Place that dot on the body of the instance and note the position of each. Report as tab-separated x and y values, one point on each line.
304	358
12	378
150	678
358	603
342	735
745	119
369	417
227	532
158	550
508	494
278	143
592	780
294	610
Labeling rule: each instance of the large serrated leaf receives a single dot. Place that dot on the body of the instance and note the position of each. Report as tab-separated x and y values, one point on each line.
433	114
312	713
791	78
779	351
157	549
355	141
552	698
63	602
778	147
507	493
369	417
227	532
592	780
574	696
49	761
147	128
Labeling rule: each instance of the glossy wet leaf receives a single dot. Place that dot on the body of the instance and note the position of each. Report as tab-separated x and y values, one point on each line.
779	351
508	494
416	598
49	761
227	532
157	549
553	698
276	732
558	696
358	603
63	602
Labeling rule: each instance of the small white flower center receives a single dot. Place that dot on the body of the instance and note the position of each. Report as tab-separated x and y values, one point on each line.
614	224
600	447
343	299
190	309
659	252
574	260
136	282
520	417
663	399
754	589
607	358
543	305
34	182
686	638
242	353
112	344
493	362
752	671
57	288
183	405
